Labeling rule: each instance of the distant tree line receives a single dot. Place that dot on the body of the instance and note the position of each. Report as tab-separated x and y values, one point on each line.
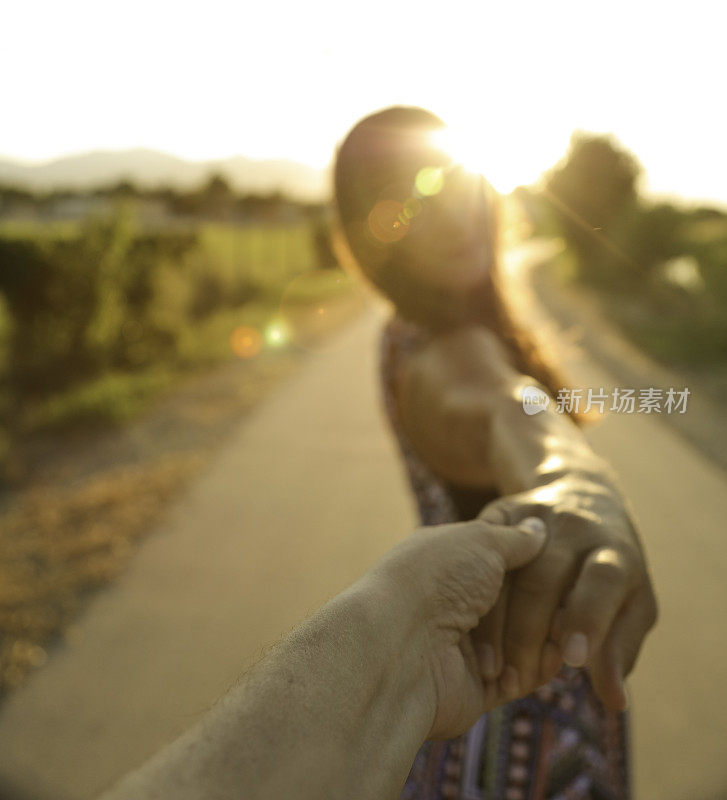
592	200
214	200
663	265
122	289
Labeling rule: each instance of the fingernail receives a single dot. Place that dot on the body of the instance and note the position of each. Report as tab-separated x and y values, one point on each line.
488	661
575	653
534	525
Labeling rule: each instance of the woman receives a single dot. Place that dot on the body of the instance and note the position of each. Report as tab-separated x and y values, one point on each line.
424	233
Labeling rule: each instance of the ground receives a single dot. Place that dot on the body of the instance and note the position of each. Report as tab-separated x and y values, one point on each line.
82	499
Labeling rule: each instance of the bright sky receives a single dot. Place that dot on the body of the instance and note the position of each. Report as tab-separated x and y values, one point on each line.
287	79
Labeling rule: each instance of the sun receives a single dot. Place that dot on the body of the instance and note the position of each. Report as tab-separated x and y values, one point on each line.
476	154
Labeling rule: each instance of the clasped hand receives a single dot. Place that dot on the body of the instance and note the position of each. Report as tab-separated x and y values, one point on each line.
586	601
490	610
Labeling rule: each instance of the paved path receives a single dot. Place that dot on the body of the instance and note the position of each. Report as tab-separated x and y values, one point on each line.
306	494
679	688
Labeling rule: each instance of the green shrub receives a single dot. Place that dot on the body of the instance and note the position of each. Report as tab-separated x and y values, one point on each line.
85	304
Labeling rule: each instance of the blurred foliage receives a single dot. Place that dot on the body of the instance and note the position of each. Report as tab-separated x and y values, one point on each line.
627	247
98	310
322	243
591	188
106	298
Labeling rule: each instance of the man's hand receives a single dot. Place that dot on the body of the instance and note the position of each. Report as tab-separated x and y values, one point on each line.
586	600
444	580
340	706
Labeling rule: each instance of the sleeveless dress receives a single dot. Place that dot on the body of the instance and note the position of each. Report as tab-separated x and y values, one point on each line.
558	743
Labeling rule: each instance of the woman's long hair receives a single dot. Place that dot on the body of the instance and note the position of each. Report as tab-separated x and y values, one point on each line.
369	159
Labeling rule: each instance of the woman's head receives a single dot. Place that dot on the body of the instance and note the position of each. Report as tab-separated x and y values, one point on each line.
419	226
425	232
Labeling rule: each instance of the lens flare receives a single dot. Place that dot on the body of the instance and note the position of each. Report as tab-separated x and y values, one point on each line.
388	221
246	342
429	181
412	207
276	334
316	304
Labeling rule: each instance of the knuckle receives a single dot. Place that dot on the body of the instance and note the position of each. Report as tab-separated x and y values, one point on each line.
495	512
606	566
575	521
630	553
505	510
633	563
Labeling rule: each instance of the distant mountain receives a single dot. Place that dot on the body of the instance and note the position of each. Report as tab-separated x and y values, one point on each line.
150	168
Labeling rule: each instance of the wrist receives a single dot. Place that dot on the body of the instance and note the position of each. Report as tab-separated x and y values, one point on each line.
392	618
355	704
587	470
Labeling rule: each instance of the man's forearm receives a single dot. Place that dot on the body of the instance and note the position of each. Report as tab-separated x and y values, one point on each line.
337	709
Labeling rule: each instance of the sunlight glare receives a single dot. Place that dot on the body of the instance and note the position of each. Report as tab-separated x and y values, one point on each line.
471	149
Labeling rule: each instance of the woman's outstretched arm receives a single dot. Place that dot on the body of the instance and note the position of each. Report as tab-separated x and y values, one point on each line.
460	402
588	599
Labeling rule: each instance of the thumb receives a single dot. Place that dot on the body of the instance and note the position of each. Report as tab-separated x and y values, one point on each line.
518	544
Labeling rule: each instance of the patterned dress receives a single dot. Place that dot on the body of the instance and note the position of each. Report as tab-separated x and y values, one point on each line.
555	744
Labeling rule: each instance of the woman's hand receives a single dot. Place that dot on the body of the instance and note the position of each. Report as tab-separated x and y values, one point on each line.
438	585
586	600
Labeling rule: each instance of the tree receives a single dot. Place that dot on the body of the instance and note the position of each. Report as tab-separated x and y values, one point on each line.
591	188
217	197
